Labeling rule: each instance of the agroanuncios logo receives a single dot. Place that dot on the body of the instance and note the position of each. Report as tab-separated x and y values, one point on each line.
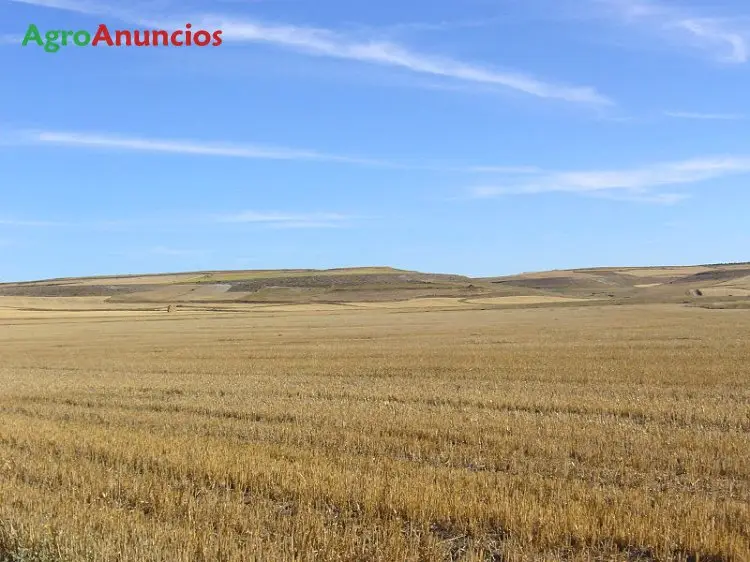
54	39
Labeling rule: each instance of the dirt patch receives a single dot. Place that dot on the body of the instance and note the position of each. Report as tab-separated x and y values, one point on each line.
57	290
713	276
327	281
534	299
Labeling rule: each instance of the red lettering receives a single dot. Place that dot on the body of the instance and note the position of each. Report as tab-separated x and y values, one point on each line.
164	38
202	38
120	35
175	37
102	34
141	38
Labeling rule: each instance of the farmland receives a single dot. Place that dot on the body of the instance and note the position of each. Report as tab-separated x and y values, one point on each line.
388	432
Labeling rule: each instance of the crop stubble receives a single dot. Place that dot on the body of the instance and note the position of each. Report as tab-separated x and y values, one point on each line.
592	433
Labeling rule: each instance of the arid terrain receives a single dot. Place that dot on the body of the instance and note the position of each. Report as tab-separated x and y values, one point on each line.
725	285
377	414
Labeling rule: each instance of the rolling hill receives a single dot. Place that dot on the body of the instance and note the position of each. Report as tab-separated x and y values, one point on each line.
708	285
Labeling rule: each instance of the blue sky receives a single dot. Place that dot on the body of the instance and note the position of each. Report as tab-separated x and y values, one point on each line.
479	137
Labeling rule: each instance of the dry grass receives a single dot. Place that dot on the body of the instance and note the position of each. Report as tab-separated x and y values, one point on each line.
593	433
274	273
524	299
678	271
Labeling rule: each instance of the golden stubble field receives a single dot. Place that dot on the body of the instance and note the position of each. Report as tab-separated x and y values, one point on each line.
558	433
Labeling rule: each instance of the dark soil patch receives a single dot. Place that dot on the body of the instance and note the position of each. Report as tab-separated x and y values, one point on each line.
327	281
713	276
70	290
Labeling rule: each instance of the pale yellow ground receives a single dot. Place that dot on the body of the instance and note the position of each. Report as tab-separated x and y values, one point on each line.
168	279
663	271
183	293
530	299
725	291
142	280
15	307
79	307
742	282
577	433
53	303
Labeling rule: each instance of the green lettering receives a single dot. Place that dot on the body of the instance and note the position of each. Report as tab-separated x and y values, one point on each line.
82	38
50	46
32	34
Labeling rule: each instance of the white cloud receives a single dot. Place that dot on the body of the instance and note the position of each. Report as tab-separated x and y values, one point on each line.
638	184
727	39
706	116
634	197
266	219
110	141
256	216
445	25
322	42
81	6
328	43
286	220
734	44
306	224
9	39
32	223
102	225
520	170
248	151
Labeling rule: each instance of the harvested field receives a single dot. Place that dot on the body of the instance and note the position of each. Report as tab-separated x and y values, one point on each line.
662	271
535	299
577	433
726	291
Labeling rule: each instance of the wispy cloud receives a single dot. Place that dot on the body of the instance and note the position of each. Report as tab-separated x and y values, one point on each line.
32	223
706	116
185	147
726	38
116	142
286	220
100	225
638	184
73	6
715	32
432	26
639	197
89	7
322	42
265	219
510	170
9	39
328	43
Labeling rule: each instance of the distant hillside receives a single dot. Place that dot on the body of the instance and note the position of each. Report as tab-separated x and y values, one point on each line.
668	283
293	285
707	284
